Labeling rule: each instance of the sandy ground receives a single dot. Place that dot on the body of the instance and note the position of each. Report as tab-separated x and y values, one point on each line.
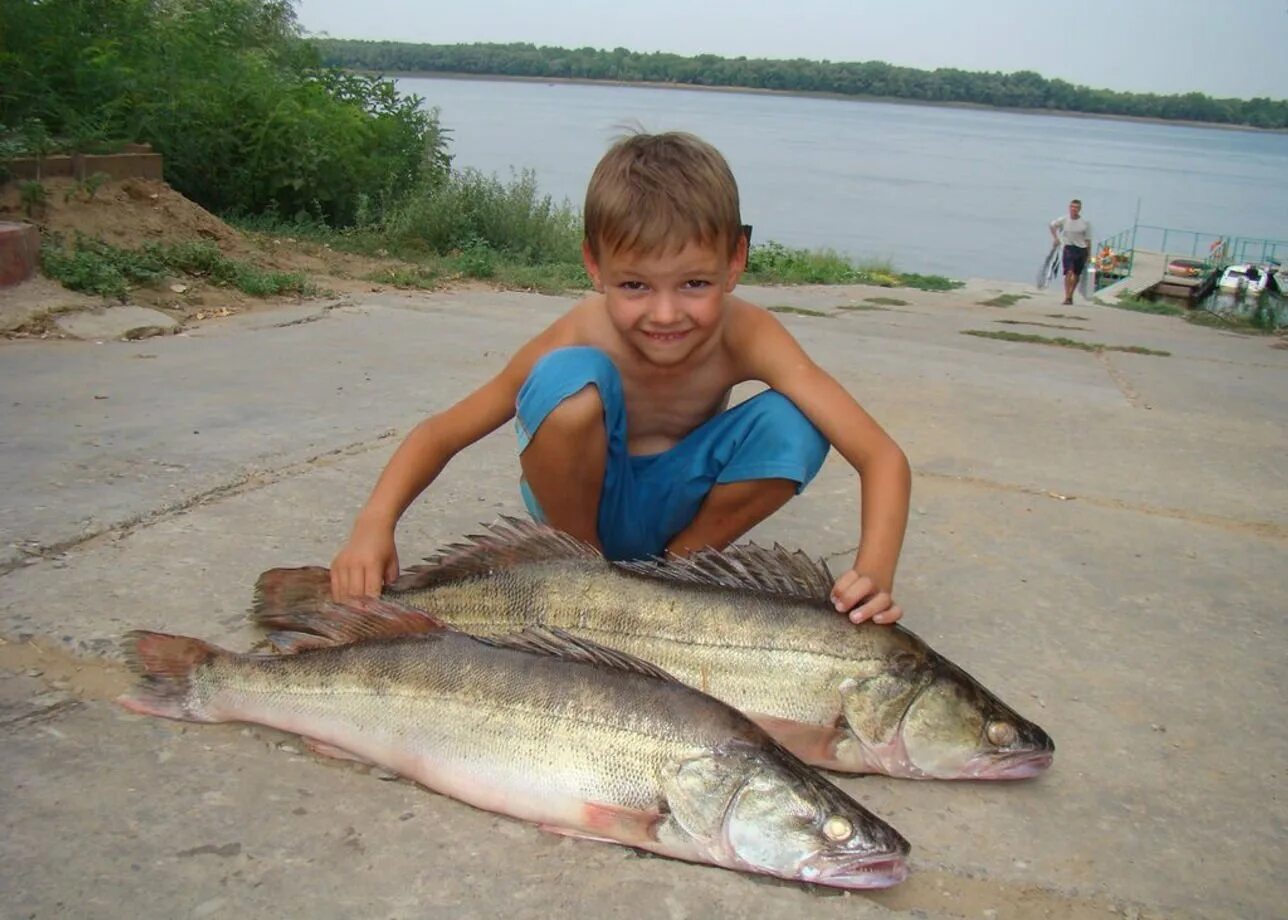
1100	538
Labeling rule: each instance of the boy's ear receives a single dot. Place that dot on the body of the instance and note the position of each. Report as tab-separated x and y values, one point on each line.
737	264
592	266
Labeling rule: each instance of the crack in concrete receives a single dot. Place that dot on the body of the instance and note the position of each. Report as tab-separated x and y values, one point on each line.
44	714
1265	529
313	317
238	486
1120	380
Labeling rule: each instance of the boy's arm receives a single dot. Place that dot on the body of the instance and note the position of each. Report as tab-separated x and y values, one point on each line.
370	558
771	354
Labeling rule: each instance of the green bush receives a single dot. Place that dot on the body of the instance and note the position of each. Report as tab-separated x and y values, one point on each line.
774	263
468	210
226	90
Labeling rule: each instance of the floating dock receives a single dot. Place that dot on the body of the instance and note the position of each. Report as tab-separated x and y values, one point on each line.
1148	276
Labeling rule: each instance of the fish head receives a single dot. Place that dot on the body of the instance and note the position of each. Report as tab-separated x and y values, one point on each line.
757	808
924	717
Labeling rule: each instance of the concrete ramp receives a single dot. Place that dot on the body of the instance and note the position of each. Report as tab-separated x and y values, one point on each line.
1147	269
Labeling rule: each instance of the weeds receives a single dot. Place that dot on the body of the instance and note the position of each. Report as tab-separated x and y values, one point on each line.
774	263
86	188
1141	305
884	302
95	267
1003	300
1062	342
929	282
34	196
1016	322
479	218
799	311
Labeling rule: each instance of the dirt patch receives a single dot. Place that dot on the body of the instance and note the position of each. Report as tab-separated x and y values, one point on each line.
132	213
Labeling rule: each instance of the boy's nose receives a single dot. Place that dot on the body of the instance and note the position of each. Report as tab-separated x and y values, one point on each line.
665	310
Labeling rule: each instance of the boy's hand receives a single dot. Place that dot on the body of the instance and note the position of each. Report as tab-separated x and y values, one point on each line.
860	597
366	563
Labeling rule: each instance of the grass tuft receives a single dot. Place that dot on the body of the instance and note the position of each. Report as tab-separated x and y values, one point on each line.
1062	342
1004	300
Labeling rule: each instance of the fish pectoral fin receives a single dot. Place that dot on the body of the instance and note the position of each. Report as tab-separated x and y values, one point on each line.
570	832
616	824
323	749
812	743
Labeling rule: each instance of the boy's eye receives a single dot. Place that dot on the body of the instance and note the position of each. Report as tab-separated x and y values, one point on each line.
632	285
694	283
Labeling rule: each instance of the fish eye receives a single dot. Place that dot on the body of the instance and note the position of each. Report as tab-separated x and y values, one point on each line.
1002	734
837	829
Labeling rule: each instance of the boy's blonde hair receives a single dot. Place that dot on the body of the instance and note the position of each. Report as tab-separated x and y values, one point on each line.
660	192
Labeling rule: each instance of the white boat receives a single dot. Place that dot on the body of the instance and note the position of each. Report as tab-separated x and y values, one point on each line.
1245	278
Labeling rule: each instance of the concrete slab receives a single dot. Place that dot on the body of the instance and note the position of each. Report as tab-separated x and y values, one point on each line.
1100	539
123	322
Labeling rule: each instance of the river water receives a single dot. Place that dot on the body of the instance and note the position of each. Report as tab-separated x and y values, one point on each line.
956	191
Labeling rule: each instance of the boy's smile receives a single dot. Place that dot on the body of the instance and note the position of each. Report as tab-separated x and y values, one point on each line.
666	305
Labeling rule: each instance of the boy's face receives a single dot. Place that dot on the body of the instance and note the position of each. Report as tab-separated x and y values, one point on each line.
666	305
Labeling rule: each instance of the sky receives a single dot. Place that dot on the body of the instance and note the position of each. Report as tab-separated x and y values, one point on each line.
1219	47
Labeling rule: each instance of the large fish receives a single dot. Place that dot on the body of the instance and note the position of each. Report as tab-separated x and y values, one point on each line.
751	626
579	739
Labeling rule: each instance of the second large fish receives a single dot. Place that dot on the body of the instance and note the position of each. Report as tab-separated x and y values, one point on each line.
579	739
751	626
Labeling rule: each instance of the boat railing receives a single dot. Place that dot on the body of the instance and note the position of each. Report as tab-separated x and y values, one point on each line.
1115	255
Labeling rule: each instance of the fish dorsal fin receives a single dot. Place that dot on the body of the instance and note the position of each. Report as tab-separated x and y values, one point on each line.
330	623
547	640
509	542
746	567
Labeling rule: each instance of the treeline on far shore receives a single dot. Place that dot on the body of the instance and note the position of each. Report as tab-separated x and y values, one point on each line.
1020	90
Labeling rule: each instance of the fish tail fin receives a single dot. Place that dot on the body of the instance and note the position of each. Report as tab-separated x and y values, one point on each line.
165	665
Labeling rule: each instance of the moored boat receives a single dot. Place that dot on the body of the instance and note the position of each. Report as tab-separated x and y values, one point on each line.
1245	278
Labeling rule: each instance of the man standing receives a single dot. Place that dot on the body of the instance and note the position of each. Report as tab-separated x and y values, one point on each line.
1075	234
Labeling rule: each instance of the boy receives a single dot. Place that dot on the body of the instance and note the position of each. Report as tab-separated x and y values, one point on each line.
625	437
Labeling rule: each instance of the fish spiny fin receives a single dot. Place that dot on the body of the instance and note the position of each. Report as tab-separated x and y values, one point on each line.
509	542
547	640
746	567
281	590
333	623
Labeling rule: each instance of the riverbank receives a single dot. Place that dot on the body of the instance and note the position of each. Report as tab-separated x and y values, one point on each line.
882	100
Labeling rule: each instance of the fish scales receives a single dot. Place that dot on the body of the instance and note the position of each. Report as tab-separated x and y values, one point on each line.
759	654
584	722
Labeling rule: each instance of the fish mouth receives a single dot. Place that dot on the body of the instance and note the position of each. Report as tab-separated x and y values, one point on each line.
879	872
1025	765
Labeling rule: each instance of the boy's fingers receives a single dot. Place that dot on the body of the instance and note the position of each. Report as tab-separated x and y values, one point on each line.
888	616
877	604
349	587
372	583
850	590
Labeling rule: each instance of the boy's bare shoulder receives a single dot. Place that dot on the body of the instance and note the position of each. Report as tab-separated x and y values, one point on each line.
746	323
578	326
